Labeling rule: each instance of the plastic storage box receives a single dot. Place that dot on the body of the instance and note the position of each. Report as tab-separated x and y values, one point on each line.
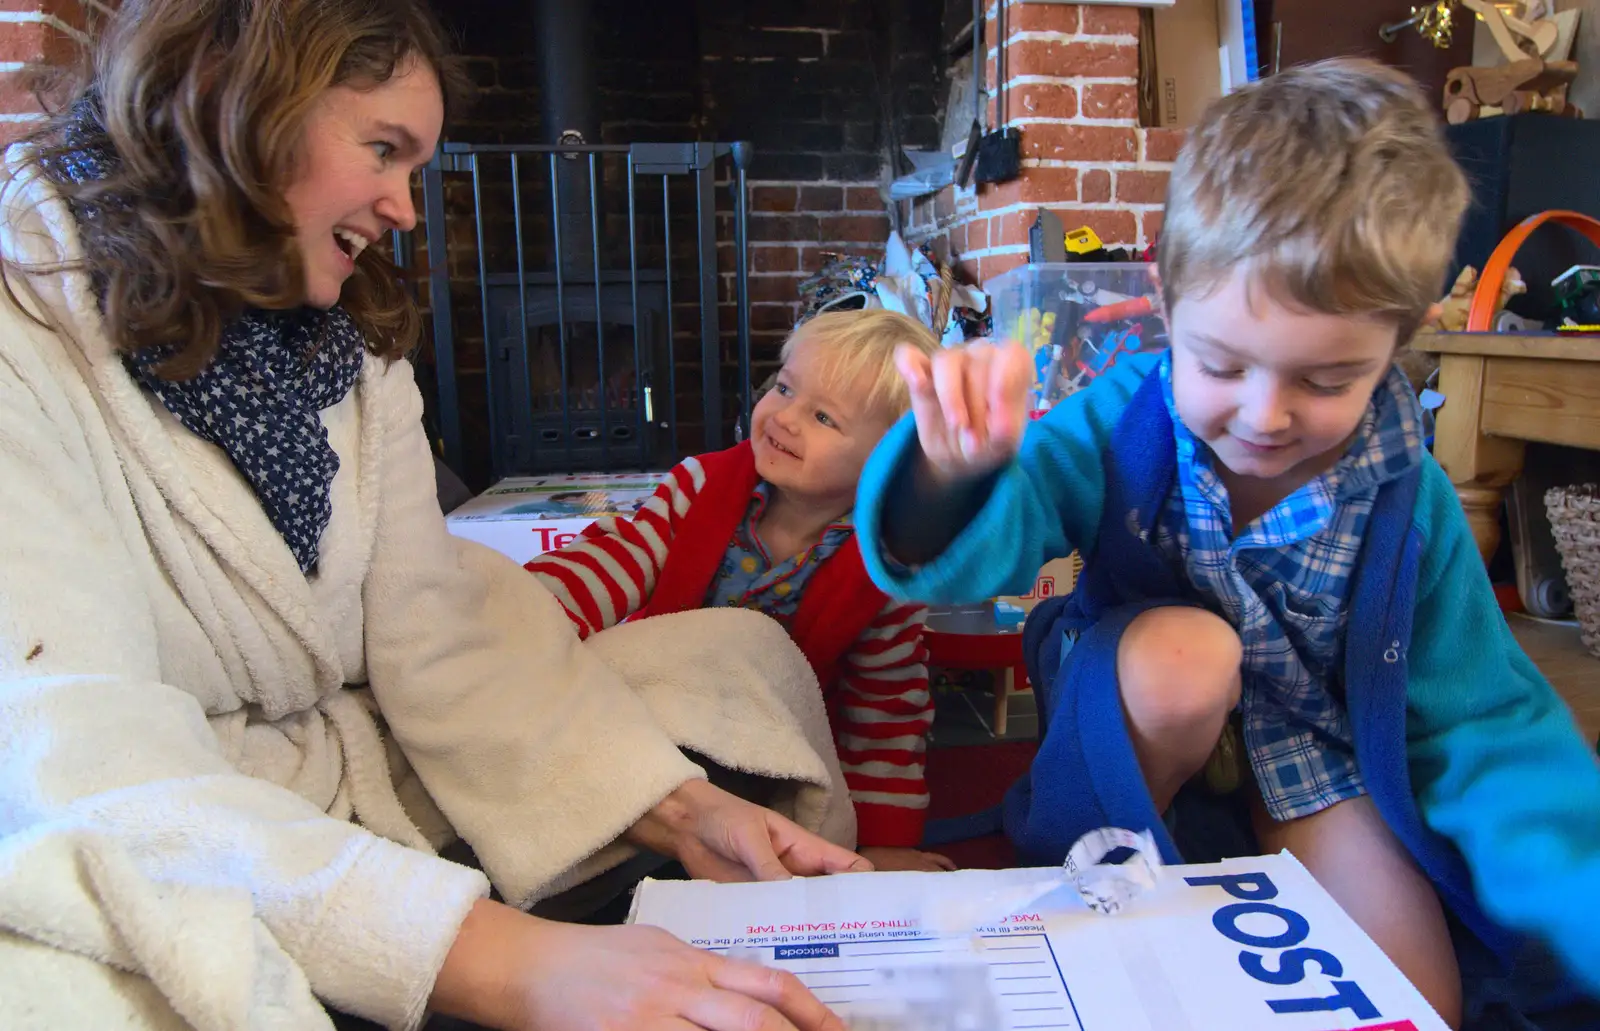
1077	320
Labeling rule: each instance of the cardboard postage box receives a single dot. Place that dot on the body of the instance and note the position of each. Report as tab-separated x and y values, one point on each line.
1246	945
525	516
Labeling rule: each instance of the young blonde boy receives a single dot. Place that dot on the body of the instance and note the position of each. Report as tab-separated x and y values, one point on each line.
766	525
1276	570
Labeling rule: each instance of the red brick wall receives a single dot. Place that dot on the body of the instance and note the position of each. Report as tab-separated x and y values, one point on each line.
792	225
813	86
1072	85
32	33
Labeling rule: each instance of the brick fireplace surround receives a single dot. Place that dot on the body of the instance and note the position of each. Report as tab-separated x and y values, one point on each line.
1073	91
823	89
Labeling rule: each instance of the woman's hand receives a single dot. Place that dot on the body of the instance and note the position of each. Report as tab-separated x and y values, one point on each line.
512	971
721	837
885	859
643	979
970	404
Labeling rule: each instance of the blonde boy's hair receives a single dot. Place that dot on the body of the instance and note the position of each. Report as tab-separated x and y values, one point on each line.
1329	185
858	348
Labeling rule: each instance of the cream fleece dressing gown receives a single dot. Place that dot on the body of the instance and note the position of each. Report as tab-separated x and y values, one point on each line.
222	783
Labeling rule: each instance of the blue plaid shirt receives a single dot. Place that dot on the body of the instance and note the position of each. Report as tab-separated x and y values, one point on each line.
748	579
1284	584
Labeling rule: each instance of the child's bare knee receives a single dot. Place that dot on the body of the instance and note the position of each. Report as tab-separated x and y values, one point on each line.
1180	666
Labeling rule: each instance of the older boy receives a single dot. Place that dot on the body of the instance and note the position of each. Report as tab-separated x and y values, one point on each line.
1274	562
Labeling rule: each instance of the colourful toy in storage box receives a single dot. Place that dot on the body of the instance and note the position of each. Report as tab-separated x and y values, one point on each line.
1077	319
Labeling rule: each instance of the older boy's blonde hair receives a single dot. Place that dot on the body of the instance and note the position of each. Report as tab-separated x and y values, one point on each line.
1329	185
857	347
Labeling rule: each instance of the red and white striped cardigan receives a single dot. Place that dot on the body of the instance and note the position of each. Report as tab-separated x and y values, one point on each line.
866	649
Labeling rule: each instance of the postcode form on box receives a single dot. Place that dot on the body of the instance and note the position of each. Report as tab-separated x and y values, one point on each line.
1246	945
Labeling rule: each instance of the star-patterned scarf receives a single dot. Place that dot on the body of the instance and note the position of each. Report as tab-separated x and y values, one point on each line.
259	397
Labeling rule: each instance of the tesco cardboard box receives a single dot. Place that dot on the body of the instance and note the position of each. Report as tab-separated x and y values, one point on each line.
525	516
1250	944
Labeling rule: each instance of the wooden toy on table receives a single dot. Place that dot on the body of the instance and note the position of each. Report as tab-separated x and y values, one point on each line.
1530	81
1529	84
1458	302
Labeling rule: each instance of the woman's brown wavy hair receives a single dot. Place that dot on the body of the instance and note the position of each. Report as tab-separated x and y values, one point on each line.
204	103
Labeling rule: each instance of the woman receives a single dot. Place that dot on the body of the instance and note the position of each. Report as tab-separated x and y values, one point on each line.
220	515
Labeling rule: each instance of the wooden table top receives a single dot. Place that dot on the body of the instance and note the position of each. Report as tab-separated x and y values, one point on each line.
1558	346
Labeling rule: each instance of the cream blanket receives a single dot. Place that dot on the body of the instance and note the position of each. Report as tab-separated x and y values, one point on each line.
203	821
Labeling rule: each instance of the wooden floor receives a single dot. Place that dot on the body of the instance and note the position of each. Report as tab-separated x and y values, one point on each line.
1556	649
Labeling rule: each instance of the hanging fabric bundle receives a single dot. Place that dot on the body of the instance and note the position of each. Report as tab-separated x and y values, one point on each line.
1000	152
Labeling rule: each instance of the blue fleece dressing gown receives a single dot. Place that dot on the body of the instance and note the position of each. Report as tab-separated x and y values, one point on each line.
1468	753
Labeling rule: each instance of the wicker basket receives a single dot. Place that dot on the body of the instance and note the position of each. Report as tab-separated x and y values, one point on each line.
1575	521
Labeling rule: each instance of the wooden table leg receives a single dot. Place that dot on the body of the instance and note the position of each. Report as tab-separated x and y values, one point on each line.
1005	685
1480	466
